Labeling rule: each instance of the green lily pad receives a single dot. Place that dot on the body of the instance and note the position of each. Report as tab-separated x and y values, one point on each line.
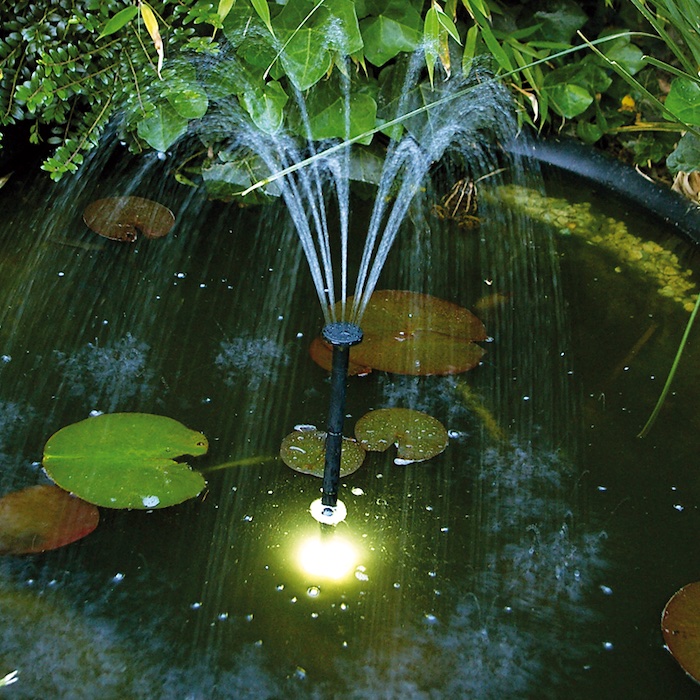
417	435
126	460
305	452
412	333
680	625
43	517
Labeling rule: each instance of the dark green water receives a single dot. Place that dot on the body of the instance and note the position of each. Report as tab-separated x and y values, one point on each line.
537	571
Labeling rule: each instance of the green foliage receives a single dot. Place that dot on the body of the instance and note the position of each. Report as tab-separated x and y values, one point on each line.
68	68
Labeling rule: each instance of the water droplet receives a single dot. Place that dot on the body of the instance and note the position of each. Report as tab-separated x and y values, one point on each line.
606	590
196	606
118	577
432	574
150	501
357	491
608	646
248	518
279	587
300	673
94	413
430	618
249	618
314	615
397	585
6	358
343	606
61	274
180	275
678	507
313	591
222	616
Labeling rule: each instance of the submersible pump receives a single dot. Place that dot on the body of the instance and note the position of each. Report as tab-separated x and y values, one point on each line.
341	336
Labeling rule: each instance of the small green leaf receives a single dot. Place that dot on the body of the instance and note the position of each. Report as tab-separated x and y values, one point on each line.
305	452
224	8
417	435
189	101
122	18
686	156
126	460
385	36
162	128
684	100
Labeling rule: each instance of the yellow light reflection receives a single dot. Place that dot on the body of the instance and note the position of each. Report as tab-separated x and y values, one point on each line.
328	556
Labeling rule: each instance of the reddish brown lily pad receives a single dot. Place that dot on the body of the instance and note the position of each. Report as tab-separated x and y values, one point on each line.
418	436
121	218
680	625
43	517
305	450
412	333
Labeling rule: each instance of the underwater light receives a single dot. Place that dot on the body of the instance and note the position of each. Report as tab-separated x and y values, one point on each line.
328	556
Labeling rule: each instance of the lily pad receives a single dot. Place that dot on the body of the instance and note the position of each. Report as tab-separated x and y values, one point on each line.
43	517
126	460
680	625
417	435
412	333
305	452
121	218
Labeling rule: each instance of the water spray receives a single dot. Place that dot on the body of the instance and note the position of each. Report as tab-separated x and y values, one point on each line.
341	336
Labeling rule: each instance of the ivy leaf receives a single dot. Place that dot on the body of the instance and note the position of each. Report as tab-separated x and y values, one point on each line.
43	517
305	452
162	128
126	460
684	100
310	33
326	111
566	97
266	106
417	435
122	18
398	29
686	156
189	101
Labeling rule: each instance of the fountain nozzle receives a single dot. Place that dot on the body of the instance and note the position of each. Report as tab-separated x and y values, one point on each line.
342	336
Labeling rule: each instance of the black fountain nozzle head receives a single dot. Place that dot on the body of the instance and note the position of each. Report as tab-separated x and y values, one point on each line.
342	333
341	336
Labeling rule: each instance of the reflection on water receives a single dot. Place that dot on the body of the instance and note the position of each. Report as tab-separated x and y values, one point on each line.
484	573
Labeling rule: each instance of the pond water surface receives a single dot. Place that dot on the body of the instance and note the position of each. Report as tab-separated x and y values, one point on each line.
538	569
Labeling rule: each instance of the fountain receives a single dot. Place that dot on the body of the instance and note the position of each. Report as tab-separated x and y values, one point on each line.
465	573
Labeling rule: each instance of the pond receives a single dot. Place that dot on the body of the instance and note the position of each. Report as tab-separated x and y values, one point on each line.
531	559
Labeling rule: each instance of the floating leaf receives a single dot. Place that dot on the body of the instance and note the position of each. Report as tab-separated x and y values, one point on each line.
119	218
43	517
417	334
305	452
417	435
680	625
126	460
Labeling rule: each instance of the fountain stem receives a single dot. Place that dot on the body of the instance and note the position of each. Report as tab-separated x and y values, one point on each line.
342	336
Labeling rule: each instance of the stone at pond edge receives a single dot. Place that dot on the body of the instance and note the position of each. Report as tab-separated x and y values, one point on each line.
305	451
680	626
417	436
43	517
119	218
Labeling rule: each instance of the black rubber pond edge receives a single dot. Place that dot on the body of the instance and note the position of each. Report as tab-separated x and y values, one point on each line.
619	178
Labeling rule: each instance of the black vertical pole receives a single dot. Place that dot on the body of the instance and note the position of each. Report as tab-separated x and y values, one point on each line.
341	336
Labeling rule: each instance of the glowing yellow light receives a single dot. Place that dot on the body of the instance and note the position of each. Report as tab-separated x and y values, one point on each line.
330	557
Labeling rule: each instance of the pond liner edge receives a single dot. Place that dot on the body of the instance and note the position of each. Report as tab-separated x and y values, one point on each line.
587	162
